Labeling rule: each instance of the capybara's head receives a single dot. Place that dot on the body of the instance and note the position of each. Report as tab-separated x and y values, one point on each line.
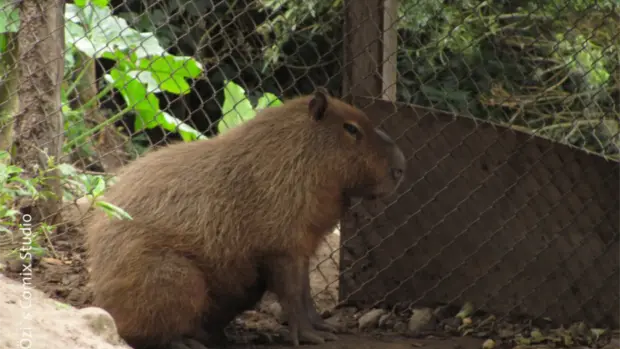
370	163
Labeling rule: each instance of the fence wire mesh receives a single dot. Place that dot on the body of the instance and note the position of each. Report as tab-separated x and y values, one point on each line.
513	140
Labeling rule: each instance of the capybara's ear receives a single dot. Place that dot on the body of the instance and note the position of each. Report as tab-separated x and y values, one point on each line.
318	103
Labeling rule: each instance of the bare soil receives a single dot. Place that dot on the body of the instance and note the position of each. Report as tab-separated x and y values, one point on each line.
385	342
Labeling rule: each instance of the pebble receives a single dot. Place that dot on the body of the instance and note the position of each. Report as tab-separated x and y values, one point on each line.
370	319
275	309
420	319
385	320
101	323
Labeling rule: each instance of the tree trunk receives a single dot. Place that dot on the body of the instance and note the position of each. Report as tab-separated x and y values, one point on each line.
39	124
8	90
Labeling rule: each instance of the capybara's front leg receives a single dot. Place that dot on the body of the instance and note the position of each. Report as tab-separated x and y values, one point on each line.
315	318
286	280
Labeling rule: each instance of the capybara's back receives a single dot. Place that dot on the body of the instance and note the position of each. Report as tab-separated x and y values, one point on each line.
205	212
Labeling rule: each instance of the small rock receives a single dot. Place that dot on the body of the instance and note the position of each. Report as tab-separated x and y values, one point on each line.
488	344
420	319
14	265
385	320
101	323
275	309
370	319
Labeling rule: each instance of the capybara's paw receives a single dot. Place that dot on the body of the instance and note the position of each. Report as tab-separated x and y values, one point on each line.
310	336
321	325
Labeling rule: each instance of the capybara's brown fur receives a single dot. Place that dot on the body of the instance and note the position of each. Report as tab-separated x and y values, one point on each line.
207	213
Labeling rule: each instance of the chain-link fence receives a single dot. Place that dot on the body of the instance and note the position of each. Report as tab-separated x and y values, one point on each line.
511	197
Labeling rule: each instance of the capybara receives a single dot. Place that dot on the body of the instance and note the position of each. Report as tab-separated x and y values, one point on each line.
218	221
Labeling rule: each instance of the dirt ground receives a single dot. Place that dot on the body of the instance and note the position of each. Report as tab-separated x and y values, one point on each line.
368	342
63	277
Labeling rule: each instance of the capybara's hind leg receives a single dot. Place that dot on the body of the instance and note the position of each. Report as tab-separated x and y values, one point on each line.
156	300
217	316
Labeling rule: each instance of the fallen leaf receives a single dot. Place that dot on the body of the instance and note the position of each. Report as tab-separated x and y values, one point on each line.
488	344
51	261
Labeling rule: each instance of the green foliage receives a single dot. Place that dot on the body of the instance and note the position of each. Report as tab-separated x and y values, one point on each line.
142	67
75	127
92	187
237	107
14	189
542	67
546	67
289	18
583	57
9	16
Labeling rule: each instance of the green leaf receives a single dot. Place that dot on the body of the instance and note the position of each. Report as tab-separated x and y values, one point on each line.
173	124
67	170
134	93
99	186
124	61
72	13
60	305
109	33
146	106
10	213
100	3
145	77
236	109
12	169
168	73
268	100
73	32
29	188
113	210
156	82
173	65
172	83
148	45
9	17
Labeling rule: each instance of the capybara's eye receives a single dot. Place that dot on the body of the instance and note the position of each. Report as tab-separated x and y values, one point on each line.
351	129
